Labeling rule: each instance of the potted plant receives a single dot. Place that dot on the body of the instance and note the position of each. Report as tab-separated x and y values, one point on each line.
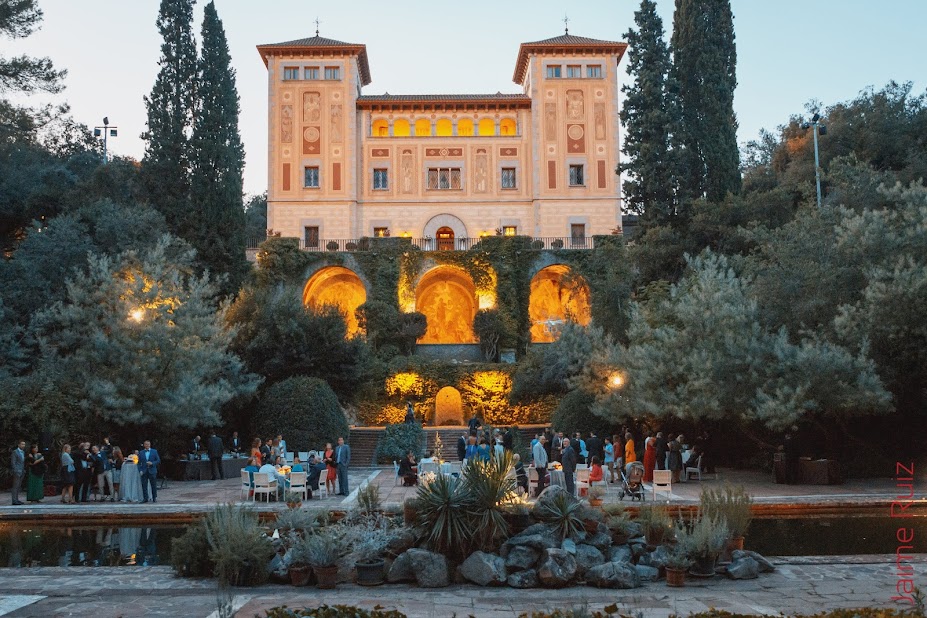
703	540
677	563
595	495
537	244
300	571
557	243
368	499
293	499
332	245
370	547
733	505
655	521
323	549
238	546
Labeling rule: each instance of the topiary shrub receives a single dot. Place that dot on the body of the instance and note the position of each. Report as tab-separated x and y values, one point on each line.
399	439
305	410
573	414
494	332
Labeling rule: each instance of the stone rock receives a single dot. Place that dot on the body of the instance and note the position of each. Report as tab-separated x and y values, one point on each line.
524	579
522	557
765	565
601	541
619	553
634	530
429	569
743	567
613	575
484	569
638	546
401	569
278	565
568	546
647	573
657	558
552	492
403	541
587	557
538	536
557	569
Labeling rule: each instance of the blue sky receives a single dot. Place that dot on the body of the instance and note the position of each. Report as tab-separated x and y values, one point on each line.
789	51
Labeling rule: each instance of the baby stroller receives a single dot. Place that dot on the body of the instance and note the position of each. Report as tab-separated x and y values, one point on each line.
632	482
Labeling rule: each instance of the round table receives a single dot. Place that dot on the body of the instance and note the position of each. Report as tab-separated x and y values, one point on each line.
557	478
130	483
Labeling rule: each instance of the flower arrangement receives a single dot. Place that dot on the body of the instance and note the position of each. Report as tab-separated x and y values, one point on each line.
555	466
427	478
284	469
133	458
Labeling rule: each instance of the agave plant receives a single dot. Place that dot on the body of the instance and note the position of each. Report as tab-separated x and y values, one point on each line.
563	513
491	487
444	514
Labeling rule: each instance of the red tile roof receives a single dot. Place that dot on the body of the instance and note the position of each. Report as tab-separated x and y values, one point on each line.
563	43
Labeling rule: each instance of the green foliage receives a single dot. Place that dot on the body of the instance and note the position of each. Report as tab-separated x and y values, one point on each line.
443	515
303	409
562	512
368	499
862	612
494	333
190	552
256	217
490	488
398	439
217	160
19	19
728	504
703	537
323	547
138	341
574	414
334	611
296	519
386	326
238	547
653	517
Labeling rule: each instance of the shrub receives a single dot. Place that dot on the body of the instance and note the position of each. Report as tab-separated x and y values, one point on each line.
494	332
305	410
237	546
490	487
443	515
323	548
190	552
368	499
398	439
731	504
562	512
704	537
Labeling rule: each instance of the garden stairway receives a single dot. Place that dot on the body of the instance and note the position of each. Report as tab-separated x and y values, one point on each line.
363	441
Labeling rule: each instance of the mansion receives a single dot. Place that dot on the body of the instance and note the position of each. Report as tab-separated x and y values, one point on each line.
443	170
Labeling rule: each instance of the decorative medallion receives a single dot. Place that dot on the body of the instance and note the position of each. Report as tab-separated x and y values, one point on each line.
336	152
575	132
287	96
379	152
508	152
576	141
444	152
286	152
311	134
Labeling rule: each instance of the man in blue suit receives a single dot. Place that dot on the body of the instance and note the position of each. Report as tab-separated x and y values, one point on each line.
148	461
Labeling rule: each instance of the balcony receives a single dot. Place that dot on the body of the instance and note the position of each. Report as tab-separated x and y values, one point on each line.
351	245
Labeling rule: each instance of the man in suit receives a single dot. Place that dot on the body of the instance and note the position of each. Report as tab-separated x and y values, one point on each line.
556	446
216	450
235	443
568	459
266	450
148	461
508	439
18	465
342	460
540	463
462	447
594	447
315	470
196	446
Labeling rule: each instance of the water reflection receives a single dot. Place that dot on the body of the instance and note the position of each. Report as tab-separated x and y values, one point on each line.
98	546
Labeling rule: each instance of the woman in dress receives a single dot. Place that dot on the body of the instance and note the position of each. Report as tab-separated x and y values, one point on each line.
408	470
332	469
256	450
67	475
35	487
483	451
650	457
630	456
618	444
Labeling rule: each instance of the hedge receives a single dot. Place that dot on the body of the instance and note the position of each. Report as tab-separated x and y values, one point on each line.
305	410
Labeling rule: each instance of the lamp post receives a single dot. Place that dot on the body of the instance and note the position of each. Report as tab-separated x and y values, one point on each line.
822	129
107	131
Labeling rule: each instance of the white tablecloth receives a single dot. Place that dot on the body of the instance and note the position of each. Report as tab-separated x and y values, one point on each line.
557	478
130	483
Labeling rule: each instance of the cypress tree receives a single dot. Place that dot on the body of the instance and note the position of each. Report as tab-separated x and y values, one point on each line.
648	117
704	63
166	167
218	159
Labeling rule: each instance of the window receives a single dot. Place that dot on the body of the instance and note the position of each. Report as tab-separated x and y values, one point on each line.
290	73
553	72
311	178
440	178
509	230
594	70
508	177
380	232
380	179
311	237
576	176
311	73
332	73
574	71
578	234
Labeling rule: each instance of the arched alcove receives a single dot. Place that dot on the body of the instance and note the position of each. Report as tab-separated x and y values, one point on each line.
444	127
380	128
401	128
449	407
556	296
338	286
447	297
422	127
465	127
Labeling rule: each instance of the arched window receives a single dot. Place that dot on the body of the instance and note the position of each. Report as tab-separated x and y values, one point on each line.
507	126
380	128
465	127
401	128
422	127
444	128
487	127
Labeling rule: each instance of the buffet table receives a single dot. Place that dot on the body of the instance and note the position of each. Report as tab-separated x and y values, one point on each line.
819	472
201	469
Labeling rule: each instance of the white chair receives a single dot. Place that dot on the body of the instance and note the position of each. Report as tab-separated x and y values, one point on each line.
289	457
532	478
582	467
304	456
582	480
265	485
245	484
663	479
396	470
298	483
697	470
432	467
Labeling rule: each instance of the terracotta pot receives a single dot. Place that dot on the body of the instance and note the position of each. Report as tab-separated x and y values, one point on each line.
655	536
369	572
595	501
703	566
591	526
675	577
327	577
300	575
732	544
408	514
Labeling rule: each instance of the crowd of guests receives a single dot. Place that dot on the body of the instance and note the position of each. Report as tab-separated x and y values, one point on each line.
330	465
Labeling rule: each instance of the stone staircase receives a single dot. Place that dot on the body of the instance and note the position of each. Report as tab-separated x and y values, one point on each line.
363	441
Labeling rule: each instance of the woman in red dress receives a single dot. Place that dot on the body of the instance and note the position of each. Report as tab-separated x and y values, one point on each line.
332	472
650	457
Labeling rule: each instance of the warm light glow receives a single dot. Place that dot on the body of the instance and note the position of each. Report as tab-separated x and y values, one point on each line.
616	381
405	384
137	315
340	287
406	235
557	295
447	297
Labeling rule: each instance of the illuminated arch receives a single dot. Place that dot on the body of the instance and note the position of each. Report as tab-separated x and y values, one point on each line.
556	296
508	127
422	127
444	127
447	297
401	128
449	407
338	286
465	127
487	127
380	128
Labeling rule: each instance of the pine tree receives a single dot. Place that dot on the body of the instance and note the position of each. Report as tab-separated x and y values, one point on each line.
650	187
166	167
218	160
704	66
